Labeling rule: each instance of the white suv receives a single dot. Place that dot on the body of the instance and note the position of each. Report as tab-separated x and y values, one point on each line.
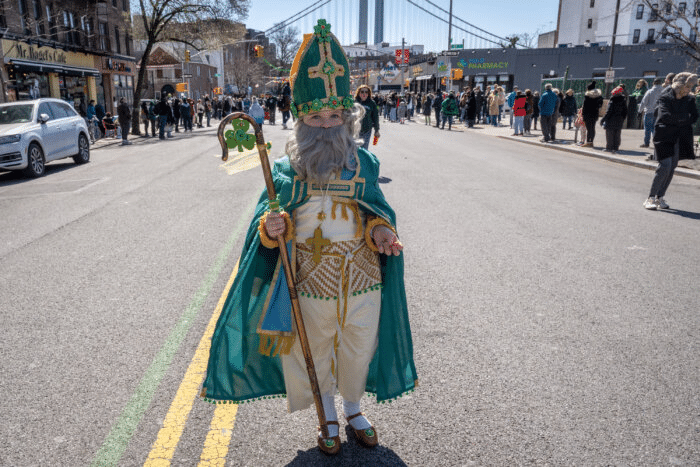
35	132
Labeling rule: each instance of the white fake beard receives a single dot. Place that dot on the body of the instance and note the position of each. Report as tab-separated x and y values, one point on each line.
317	153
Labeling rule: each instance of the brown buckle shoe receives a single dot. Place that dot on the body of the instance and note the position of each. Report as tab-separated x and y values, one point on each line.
329	446
366	437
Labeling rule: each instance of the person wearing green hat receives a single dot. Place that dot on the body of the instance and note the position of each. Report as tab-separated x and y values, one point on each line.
348	261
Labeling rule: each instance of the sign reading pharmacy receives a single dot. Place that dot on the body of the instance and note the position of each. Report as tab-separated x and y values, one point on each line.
481	64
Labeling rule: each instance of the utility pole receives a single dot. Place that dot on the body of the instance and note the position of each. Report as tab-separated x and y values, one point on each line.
449	31
403	42
612	46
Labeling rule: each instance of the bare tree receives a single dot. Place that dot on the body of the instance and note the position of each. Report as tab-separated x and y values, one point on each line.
680	25
245	71
160	16
512	43
287	41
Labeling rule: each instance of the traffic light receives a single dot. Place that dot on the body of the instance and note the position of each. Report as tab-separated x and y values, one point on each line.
259	51
187	55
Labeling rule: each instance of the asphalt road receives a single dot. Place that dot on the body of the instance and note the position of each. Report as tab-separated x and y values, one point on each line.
555	321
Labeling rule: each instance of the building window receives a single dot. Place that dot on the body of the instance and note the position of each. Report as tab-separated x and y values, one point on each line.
117	42
696	11
668	8
635	37
664	33
590	23
650	35
681	8
592	3
53	29
114	3
693	36
104	40
127	46
640	11
159	73
125	5
24	17
654	15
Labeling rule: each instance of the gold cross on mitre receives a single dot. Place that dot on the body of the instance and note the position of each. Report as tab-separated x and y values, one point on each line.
327	69
317	242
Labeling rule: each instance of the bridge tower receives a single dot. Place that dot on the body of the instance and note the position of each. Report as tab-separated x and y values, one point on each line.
363	21
378	21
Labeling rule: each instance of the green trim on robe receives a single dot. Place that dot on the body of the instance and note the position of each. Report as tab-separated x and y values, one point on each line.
237	372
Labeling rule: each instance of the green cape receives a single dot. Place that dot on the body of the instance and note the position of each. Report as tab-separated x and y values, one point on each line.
237	372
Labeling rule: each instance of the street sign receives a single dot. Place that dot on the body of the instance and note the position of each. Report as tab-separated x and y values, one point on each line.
448	53
187	75
457	46
609	76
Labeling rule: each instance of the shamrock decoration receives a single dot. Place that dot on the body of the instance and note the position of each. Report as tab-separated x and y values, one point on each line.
322	29
239	136
333	102
328	68
348	102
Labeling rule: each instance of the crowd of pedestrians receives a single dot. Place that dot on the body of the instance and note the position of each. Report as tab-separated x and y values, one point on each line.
170	114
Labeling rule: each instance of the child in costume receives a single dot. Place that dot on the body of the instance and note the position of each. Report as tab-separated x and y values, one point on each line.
341	234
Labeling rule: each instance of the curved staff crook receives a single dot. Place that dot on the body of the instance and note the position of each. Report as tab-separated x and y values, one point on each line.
274	206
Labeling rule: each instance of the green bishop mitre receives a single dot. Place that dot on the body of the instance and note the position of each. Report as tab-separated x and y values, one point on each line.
320	74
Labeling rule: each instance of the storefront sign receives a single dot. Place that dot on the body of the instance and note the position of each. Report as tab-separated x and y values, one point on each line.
41	54
480	63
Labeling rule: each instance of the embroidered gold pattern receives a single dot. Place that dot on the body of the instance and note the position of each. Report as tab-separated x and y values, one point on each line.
325	279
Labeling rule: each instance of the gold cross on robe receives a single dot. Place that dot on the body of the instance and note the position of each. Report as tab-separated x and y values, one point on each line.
328	77
317	242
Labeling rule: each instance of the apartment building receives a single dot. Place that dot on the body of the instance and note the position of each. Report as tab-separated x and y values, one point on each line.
73	50
585	22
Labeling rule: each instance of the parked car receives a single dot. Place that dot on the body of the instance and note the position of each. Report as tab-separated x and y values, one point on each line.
35	132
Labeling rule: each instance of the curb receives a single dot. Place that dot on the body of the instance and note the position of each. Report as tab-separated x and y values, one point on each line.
608	157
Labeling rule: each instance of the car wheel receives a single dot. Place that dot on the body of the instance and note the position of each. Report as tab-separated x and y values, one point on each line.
83	155
35	161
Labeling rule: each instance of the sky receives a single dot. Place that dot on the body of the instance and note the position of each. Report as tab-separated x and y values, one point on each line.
405	19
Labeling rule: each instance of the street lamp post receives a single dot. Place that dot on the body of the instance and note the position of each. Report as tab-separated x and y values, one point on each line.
612	47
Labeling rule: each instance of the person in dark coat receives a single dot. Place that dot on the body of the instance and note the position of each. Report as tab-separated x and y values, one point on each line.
568	111
479	96
471	109
363	96
614	118
535	109
592	102
676	113
176	114
427	108
124	114
437	105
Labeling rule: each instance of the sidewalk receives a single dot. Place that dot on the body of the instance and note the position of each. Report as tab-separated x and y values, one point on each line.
630	153
141	139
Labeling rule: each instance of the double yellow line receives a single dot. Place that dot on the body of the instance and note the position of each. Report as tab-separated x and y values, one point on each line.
221	428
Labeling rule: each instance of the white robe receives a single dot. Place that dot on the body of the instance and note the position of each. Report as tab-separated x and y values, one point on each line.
340	303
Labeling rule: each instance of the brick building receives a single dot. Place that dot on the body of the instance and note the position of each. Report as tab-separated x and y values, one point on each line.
73	50
166	67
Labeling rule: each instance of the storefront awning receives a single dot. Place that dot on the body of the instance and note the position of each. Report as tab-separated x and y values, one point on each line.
80	71
34	66
42	67
424	77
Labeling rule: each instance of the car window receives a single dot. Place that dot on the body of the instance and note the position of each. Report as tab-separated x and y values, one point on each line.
20	113
69	110
45	109
58	110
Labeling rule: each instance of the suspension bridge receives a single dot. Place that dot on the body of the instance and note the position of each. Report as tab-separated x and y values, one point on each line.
423	22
